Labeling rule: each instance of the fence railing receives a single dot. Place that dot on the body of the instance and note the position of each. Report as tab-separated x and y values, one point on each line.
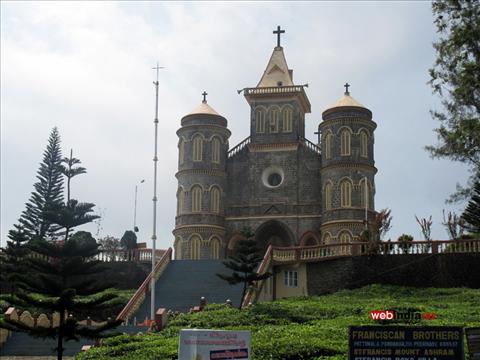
253	292
139	297
239	147
138	255
310	145
286	255
318	252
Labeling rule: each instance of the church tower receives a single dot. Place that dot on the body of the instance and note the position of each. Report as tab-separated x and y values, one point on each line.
348	171
200	222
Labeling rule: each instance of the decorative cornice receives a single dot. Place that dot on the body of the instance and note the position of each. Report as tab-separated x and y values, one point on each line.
275	216
214	127
210	172
352	164
199	228
273	147
369	123
333	222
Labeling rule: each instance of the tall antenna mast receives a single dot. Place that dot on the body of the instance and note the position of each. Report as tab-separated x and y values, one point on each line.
154	235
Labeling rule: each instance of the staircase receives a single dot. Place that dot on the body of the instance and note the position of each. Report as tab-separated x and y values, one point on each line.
184	282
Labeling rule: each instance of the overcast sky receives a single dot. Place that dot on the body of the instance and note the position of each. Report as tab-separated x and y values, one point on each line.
86	68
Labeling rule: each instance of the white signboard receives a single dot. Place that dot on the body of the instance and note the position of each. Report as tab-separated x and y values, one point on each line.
196	344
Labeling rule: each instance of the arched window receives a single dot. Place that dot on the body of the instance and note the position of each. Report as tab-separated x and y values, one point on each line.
178	248
328	196
327	239
260	120
328	146
364	192
181	200
195	244
363	144
216	150
345	139
197	198
287	119
197	148
346	193
215	247
345	238
181	151
274	114
215	200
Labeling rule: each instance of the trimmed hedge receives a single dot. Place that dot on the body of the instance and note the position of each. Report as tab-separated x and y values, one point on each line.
299	328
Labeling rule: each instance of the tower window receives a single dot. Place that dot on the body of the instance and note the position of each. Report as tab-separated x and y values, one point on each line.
328	196
346	193
260	120
216	150
197	148
181	199
274	112
197	199
345	139
215	248
215	200
328	146
345	238
195	244
363	144
364	193
287	119
181	151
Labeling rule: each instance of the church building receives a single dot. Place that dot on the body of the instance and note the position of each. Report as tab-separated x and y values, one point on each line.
288	190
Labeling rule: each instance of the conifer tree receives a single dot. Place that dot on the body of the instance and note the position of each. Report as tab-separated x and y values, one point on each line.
12	259
64	280
471	214
48	192
244	264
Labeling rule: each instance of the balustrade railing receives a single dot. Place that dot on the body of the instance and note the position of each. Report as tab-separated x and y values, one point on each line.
317	252
310	145
253	292
139	297
239	147
274	89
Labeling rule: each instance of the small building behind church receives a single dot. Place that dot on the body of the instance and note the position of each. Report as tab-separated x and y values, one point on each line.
288	190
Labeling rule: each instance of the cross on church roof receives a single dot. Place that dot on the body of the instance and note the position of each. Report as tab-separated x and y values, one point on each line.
204	97
278	32
347	85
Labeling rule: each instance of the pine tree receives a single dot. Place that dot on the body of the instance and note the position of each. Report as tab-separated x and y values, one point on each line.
244	264
471	214
12	259
64	280
48	192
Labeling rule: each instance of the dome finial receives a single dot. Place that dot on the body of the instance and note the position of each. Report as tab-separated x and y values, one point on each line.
204	97
347	85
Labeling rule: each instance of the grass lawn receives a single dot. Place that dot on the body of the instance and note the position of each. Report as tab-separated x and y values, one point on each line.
301	328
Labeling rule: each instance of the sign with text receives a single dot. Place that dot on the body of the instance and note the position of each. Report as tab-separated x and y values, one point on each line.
405	343
195	344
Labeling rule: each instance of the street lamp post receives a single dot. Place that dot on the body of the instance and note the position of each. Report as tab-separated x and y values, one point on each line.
135	229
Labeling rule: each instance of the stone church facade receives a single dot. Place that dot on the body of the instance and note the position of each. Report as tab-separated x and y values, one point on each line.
288	190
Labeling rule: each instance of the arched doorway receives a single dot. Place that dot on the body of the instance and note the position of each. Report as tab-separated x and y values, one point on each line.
274	233
309	239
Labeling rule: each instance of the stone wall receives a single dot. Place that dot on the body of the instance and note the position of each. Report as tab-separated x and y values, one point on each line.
439	270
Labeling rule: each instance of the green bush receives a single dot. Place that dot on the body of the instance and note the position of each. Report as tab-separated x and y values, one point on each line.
300	328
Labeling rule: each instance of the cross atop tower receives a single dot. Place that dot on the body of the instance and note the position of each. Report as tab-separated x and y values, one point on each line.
204	97
347	85
278	32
